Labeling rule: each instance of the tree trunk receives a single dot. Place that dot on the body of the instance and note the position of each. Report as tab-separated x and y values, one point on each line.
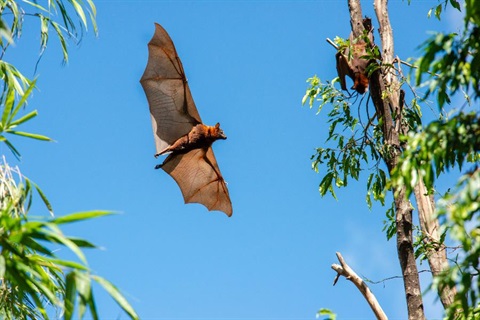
437	257
385	92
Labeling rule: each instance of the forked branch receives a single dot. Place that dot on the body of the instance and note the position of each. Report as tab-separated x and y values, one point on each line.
343	269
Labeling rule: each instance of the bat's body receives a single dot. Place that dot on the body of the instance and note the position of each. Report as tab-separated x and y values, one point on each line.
351	61
178	129
355	68
201	136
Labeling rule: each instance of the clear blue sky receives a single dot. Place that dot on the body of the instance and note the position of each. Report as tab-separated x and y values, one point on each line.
247	62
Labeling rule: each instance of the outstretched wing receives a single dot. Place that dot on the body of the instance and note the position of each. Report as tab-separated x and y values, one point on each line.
198	176
171	104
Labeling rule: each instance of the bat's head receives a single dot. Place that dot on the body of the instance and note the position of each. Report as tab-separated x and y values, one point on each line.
361	83
218	133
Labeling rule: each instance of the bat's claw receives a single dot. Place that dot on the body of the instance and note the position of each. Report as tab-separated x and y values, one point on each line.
158	166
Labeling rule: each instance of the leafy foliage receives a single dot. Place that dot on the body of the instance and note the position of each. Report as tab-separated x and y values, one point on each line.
34	281
461	210
441	145
356	143
453	59
450	65
47	15
10	121
32	277
452	62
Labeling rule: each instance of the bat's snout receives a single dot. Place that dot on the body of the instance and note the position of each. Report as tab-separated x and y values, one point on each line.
222	136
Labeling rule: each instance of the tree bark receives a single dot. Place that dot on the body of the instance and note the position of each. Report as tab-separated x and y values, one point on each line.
437	256
385	93
389	105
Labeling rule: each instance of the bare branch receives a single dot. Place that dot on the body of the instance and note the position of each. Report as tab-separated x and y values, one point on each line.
344	270
391	278
333	44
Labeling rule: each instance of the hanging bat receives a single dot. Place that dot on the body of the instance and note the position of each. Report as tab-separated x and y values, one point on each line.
351	60
178	129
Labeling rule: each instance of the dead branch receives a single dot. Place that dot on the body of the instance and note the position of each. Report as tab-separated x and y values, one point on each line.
333	44
344	270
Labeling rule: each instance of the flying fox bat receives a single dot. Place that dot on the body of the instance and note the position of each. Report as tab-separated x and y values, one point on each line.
351	60
178	129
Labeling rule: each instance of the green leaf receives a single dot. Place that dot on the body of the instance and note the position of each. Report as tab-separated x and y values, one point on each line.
12	148
66	263
23	99
82	243
328	313
55	236
455	4
44	22
70	295
438	11
326	183
80	12
80	216
23	119
9	102
117	296
36	5
30	135
63	43
37	247
5	31
44	198
84	291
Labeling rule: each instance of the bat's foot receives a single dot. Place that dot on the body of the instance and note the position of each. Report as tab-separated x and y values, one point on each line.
163	152
158	166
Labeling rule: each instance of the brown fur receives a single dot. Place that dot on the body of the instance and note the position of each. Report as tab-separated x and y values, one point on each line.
200	136
351	61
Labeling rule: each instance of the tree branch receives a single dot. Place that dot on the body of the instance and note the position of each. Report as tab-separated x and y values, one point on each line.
344	270
333	44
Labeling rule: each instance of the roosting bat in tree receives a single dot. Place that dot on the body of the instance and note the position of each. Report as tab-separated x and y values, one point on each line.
351	60
178	129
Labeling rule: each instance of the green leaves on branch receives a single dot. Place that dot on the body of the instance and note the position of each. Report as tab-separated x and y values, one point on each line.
461	208
453	59
13	80
10	118
439	146
47	14
34	279
437	11
356	143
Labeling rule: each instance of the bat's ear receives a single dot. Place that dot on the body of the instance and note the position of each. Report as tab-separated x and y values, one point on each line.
217	125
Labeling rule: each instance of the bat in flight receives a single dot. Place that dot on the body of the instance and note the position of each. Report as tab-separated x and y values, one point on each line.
178	129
